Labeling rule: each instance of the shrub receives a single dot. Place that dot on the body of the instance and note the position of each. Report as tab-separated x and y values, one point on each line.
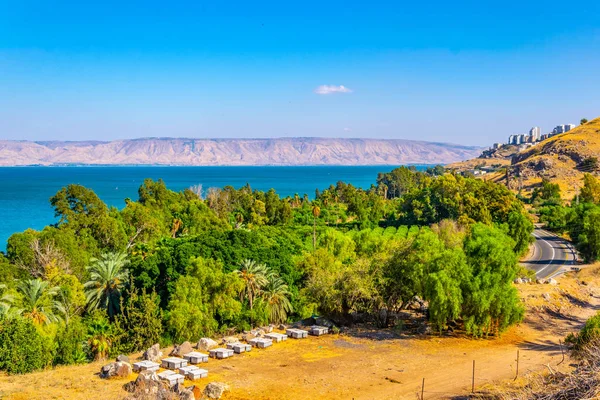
22	347
70	341
589	333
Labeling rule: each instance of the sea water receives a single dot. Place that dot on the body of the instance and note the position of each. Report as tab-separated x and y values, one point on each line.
25	191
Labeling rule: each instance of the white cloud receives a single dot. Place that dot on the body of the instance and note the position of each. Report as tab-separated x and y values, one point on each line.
330	89
347	129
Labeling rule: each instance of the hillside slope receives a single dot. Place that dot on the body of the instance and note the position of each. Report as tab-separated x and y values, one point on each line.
283	151
559	159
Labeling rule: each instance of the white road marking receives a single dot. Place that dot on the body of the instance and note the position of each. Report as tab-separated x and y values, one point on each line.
553	254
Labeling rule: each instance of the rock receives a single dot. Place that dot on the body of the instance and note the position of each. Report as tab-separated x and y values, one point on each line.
229	339
552	282
183	348
147	383
206	344
117	369
248	336
267	329
153	353
540	281
215	390
258	332
187	394
546	296
123	358
282	327
527	280
518	281
325	322
124	369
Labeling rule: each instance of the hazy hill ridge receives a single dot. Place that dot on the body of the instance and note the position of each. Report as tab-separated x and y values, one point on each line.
282	151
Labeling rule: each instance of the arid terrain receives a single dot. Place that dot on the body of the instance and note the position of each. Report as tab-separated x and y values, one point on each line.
366	363
559	159
283	151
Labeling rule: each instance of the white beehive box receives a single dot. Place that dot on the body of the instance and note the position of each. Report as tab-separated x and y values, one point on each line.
318	330
196	357
239	348
193	373
145	365
220	353
276	337
173	362
296	333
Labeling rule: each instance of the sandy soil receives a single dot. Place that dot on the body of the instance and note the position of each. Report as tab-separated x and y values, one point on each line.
367	364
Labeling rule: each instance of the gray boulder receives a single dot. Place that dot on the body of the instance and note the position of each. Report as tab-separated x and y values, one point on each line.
206	344
117	369
229	339
282	327
552	282
267	329
215	390
248	336
153	353
183	348
147	384
123	358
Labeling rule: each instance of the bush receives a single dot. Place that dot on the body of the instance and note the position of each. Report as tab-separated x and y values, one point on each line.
22	347
589	333
70	341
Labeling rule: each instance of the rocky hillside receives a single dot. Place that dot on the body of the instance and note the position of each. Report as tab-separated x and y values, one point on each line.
284	151
560	159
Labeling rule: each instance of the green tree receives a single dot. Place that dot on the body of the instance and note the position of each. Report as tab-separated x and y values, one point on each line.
6	301
70	341
140	322
491	303
583	121
520	228
22	347
588	241
107	278
38	301
316	211
99	334
590	192
204	300
254	275
276	296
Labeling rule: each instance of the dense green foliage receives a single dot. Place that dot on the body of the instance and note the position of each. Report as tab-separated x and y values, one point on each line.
589	333
580	220
179	266
22	347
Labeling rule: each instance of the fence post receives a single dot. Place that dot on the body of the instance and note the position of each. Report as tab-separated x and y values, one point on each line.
517	375
423	389
561	352
473	379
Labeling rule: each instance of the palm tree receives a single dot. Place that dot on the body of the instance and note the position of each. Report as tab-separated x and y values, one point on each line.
254	276
316	211
276	295
6	302
107	277
99	338
38	301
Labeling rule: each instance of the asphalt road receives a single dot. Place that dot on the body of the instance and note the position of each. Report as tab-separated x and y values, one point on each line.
550	254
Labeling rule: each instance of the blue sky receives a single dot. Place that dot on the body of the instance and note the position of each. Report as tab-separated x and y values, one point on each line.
462	72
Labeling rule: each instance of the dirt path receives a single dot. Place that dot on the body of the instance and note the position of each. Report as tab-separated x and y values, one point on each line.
352	366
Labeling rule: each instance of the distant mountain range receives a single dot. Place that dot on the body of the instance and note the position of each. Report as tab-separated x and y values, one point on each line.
281	151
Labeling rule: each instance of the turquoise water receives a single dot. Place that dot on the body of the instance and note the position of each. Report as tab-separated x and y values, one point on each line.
25	191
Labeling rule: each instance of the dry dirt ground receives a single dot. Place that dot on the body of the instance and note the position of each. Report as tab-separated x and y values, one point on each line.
367	364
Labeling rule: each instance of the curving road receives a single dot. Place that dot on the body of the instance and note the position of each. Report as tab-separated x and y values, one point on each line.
550	254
